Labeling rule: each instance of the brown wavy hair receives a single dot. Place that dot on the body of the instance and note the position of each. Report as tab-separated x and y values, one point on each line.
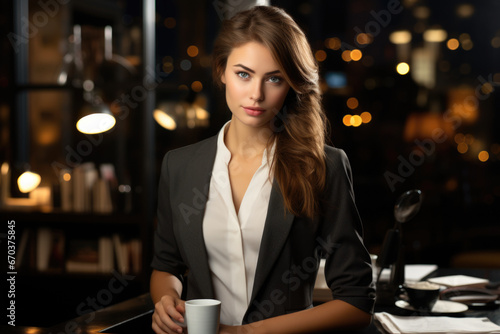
300	126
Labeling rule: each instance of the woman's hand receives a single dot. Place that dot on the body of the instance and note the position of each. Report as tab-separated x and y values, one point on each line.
168	314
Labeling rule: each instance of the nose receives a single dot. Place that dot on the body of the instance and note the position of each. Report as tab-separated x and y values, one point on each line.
257	91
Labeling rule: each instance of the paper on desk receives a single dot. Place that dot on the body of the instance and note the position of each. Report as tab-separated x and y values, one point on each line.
429	325
458	280
413	272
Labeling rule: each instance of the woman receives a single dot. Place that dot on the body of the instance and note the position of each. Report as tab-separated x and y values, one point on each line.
245	216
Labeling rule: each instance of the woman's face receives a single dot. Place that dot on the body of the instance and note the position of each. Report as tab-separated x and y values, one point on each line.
255	87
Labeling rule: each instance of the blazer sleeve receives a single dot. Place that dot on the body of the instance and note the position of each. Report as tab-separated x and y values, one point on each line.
166	255
348	269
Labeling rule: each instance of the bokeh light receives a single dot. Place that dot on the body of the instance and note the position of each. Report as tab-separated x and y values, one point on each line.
197	86
403	68
352	103
320	55
356	54
366	117
483	156
192	51
452	44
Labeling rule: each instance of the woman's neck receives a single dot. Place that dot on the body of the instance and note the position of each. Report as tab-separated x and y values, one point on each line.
246	141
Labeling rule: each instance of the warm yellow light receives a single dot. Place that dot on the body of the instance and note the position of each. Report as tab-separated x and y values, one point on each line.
435	35
403	68
333	43
356	54
192	51
366	117
487	88
352	103
5	168
347	120
165	120
364	39
356	120
197	86
469	139
400	37
462	148
201	113
483	156
320	55
346	56
67	177
453	44
96	123
28	181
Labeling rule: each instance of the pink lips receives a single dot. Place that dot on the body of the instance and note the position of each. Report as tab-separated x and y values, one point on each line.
254	111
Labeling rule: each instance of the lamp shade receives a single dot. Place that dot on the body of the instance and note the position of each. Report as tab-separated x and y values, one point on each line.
164	119
28	181
95	118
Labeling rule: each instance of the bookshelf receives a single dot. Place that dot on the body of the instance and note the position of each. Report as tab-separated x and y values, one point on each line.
70	250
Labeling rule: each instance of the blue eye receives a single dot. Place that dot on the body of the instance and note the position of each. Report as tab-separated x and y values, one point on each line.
275	79
243	75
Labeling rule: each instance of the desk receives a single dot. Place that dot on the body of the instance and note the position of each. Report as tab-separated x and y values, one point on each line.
134	315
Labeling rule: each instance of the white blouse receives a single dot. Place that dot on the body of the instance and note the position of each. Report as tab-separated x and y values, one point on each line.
233	240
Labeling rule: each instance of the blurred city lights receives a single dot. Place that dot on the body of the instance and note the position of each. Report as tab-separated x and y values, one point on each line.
483	156
403	68
320	55
366	117
197	86
352	103
400	37
453	44
435	35
333	43
346	56
356	54
192	51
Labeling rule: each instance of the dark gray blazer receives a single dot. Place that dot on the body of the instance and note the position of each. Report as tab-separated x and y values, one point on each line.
291	246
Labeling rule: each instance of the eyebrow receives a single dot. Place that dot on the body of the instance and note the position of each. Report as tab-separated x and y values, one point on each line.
252	71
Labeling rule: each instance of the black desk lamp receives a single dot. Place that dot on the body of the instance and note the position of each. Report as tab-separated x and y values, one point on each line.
392	253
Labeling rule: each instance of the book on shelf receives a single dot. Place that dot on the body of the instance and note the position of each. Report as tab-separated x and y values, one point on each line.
101	197
49	249
66	190
88	189
26	252
82	255
128	254
90	255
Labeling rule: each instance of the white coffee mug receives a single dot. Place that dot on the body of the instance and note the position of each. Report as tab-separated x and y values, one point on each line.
203	316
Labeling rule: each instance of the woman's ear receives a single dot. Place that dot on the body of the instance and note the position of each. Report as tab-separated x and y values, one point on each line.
223	77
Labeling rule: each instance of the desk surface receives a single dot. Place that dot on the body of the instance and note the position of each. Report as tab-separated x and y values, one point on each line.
134	315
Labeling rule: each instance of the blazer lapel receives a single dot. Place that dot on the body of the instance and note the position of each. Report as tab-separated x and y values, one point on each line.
195	195
276	229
